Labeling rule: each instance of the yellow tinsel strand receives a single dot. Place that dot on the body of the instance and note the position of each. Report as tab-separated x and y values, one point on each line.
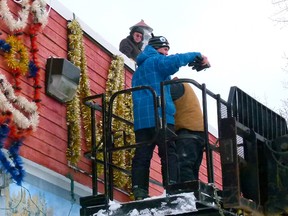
73	152
85	92
75	108
121	107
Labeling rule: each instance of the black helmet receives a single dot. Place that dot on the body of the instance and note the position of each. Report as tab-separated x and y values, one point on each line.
158	42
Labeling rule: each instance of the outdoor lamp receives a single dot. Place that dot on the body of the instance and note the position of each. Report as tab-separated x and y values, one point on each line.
62	79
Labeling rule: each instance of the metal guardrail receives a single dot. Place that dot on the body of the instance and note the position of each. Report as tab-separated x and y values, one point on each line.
107	138
255	115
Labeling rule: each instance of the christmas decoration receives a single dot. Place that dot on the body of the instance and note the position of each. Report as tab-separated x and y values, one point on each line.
21	22
9	102
34	63
16	167
38	9
18	118
75	108
122	107
18	56
40	20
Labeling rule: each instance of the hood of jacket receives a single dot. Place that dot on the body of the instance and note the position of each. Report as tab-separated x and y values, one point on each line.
131	39
148	52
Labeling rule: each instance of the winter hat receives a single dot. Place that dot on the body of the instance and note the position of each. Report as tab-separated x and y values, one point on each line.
158	42
136	29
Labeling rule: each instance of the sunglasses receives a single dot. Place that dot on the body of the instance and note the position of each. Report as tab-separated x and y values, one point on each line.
138	35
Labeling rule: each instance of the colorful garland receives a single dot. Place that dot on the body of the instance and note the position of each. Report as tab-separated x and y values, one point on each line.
16	124
18	56
34	65
75	108
16	167
19	117
13	48
38	9
21	22
9	102
40	20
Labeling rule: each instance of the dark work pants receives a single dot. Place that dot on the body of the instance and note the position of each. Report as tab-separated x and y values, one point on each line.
190	153
144	153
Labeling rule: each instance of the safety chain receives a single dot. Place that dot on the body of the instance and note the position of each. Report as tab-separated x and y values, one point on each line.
217	199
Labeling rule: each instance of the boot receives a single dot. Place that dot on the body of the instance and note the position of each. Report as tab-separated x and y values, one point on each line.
140	183
139	193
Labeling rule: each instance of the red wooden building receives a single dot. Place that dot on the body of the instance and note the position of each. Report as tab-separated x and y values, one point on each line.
44	151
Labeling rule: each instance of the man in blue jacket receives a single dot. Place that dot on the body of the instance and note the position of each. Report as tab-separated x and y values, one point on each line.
155	66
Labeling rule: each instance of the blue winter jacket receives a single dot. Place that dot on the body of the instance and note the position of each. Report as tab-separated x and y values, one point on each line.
153	68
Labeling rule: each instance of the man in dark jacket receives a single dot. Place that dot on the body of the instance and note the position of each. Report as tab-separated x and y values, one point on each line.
189	127
155	66
132	44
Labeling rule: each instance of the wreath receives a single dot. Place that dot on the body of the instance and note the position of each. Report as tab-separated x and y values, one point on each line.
17	56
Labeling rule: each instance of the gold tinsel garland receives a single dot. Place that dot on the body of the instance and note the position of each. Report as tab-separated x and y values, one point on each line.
75	108
122	106
18	57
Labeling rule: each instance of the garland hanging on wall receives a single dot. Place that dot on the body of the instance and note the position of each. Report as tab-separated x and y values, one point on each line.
21	22
18	118
37	8
14	165
75	108
40	20
29	119
122	107
17	58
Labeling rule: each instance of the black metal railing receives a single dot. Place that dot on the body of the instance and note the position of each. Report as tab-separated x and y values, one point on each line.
240	108
255	115
221	107
106	110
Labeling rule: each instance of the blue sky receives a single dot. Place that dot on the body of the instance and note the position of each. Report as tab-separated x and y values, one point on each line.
246	48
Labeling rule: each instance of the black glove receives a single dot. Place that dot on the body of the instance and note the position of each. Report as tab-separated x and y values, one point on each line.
197	64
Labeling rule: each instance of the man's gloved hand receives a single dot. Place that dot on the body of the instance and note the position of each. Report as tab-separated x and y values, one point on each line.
199	63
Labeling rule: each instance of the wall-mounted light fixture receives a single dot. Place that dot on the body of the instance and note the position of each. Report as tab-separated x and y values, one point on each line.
62	79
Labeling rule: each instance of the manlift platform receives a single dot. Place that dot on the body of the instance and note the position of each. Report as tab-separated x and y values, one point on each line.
247	130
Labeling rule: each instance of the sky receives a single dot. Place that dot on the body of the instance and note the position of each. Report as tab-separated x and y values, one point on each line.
244	44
